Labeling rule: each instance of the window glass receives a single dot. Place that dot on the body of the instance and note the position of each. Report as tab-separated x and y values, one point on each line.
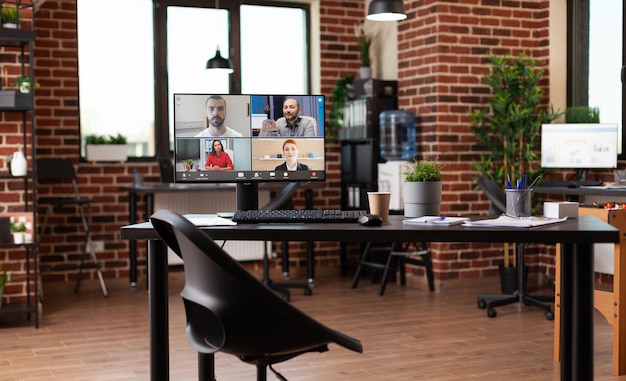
116	75
605	61
273	50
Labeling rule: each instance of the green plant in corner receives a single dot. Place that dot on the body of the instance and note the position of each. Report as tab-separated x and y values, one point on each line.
425	170
364	42
9	14
509	128
18	227
4	276
340	96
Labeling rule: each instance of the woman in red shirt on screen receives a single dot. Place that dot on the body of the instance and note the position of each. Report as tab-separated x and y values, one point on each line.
217	159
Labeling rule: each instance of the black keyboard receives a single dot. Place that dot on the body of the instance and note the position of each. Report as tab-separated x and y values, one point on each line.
297	216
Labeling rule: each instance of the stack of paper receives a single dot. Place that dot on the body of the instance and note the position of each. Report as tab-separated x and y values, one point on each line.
523	222
435	220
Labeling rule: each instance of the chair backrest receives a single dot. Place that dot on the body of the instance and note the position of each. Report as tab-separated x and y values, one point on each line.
230	310
166	169
495	194
57	169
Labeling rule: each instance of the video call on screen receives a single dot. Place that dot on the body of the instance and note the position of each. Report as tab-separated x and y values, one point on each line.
256	138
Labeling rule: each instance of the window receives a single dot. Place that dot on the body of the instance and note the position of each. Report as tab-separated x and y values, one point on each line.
119	91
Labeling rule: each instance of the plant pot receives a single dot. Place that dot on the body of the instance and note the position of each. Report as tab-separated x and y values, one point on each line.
421	198
9	25
508	278
18	237
106	152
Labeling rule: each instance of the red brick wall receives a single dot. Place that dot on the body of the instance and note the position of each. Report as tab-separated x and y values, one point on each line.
442	62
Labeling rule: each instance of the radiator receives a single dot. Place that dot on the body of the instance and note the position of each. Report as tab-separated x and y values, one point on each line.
211	202
603	252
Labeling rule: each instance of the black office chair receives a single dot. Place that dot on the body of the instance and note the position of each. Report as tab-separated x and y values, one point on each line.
60	171
231	311
497	196
395	257
282	201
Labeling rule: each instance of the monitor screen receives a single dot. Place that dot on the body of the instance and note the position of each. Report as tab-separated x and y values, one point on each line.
579	145
248	138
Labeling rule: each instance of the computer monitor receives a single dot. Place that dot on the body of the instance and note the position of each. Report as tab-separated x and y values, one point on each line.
248	139
579	146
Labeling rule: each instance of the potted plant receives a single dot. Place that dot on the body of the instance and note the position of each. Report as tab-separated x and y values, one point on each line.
105	148
4	279
582	114
23	84
188	165
421	189
340	96
9	16
364	42
18	228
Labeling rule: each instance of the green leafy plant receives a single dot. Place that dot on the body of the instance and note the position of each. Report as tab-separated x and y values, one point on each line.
423	170
510	127
582	114
340	96
364	42
189	161
4	276
18	227
9	14
105	139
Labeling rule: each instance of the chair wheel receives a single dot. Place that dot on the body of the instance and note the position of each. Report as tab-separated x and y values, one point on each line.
308	291
491	313
482	304
549	315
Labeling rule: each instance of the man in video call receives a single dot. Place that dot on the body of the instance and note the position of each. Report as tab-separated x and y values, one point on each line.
291	123
215	118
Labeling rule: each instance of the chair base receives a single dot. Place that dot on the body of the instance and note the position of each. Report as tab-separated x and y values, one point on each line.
490	301
283	287
397	258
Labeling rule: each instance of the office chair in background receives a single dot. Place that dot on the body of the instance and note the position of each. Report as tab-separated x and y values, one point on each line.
229	310
62	171
497	196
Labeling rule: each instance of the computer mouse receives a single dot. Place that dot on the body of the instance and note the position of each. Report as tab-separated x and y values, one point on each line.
572	185
370	220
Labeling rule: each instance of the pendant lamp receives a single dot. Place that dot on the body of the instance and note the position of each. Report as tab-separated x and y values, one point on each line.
386	10
218	62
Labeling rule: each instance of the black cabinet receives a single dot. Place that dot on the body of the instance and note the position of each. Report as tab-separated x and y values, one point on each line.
360	143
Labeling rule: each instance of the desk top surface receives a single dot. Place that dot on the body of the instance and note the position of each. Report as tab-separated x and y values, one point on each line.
585	229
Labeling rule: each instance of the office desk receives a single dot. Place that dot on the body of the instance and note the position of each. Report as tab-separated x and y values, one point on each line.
576	237
148	191
581	191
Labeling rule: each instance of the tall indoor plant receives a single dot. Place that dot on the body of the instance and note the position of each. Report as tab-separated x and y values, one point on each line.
364	42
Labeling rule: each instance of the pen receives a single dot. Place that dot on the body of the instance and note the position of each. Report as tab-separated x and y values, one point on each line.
441	218
508	181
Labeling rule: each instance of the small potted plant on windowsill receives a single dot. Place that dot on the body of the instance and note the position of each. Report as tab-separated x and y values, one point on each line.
105	148
9	15
421	189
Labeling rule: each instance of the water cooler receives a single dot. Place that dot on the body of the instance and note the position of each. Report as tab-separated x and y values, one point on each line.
397	147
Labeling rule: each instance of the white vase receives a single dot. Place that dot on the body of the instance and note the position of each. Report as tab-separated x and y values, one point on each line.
421	198
19	166
365	72
9	25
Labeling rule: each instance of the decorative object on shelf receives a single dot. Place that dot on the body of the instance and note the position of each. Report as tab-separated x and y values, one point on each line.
364	42
386	10
9	16
23	84
18	228
19	166
105	148
421	189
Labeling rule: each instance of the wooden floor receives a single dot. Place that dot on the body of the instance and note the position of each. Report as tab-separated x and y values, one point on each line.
408	334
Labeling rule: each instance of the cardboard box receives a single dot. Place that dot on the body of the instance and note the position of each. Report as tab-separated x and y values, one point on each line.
560	209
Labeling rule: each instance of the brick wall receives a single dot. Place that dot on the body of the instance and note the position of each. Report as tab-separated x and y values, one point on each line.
442	62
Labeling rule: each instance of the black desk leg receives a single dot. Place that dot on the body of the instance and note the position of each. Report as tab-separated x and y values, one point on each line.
159	331
577	284
310	264
132	219
206	366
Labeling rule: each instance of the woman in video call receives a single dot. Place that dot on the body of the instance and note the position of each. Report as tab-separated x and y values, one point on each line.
290	153
217	159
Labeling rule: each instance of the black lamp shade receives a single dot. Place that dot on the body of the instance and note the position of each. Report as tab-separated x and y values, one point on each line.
386	10
219	62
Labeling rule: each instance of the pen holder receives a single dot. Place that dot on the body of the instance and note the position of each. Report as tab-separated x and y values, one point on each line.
518	202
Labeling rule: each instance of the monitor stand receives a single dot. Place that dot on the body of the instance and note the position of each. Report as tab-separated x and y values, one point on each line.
581	175
247	196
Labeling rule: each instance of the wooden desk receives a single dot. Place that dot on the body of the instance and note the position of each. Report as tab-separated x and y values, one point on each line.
577	237
607	302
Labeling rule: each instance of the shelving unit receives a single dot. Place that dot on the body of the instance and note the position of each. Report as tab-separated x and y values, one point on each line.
19	42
